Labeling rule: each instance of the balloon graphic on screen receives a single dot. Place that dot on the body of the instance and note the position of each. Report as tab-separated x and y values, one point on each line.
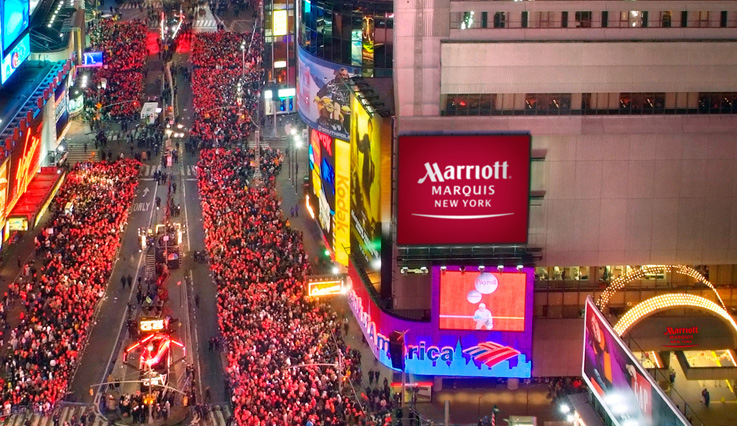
473	296
486	283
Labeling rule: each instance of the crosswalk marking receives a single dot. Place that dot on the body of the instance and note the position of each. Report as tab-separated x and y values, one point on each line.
184	170
205	25
66	414
129	6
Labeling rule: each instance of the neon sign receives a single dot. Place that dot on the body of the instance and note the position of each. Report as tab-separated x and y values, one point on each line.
324	288
428	352
27	165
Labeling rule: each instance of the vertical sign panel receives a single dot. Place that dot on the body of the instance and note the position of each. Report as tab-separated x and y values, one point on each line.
342	233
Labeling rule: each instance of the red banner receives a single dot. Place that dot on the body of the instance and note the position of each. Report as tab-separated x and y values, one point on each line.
463	189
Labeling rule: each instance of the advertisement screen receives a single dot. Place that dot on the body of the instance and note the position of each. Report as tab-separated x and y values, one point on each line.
323	100
15	20
15	58
92	60
463	189
61	104
26	159
280	22
482	301
342	222
431	350
322	180
628	392
34	5
366	191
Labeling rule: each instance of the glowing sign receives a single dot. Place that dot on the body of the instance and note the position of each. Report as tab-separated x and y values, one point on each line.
4	175
430	350
17	224
280	22
486	300
152	325
324	288
92	60
27	164
622	386
342	230
14	58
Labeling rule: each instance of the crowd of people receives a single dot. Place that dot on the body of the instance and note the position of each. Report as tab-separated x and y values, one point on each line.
124	54
226	85
60	289
274	334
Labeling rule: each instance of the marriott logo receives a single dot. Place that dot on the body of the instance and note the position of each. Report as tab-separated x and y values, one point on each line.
497	171
669	331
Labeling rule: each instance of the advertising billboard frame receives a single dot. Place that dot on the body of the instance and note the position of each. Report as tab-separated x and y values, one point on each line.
519	237
323	97
450	353
15	58
644	385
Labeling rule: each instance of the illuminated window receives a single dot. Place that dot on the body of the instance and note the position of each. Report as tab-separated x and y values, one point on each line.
547	103
717	103
641	103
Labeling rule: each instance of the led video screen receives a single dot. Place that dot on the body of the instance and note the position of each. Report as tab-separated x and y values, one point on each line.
482	301
628	392
15	20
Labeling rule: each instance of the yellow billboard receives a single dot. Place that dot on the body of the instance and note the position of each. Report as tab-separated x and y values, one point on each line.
324	288
280	22
342	230
366	178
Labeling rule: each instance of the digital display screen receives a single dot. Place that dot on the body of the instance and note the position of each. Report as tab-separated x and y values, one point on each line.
15	20
482	301
628	392
92	60
13	60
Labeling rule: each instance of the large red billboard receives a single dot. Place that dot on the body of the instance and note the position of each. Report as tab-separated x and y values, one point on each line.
463	189
482	301
26	160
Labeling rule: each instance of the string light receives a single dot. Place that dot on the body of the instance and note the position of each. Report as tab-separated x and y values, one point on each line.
667	301
644	270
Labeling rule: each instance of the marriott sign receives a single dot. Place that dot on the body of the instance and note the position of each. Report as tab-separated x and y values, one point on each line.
463	189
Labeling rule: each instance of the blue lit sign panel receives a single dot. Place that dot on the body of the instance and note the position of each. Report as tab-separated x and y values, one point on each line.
15	20
15	58
91	60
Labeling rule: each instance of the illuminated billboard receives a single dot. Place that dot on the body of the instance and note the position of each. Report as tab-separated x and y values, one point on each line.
25	160
92	60
324	288
323	99
366	174
482	301
626	391
458	190
4	184
13	59
430	350
342	222
280	22
15	20
61	108
322	180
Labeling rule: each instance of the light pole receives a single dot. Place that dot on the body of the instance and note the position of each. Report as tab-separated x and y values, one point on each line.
243	58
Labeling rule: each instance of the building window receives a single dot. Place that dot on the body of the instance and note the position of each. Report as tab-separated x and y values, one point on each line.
525	15
547	103
500	20
469	104
717	103
484	19
564	20
604	19
684	19
583	19
703	19
723	19
631	19
665	19
641	103
467	21
544	19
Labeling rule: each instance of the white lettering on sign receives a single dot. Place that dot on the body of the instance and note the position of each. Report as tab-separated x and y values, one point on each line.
141	207
465	172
